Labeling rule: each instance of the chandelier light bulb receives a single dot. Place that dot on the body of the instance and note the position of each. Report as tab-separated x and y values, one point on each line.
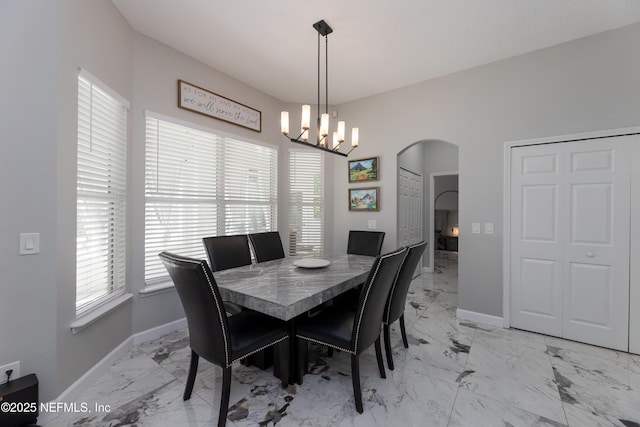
306	117
322	120
341	126
324	125
284	122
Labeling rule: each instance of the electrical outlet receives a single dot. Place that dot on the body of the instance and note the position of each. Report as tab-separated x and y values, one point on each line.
15	366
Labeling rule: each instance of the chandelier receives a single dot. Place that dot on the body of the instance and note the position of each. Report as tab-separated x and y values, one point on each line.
322	140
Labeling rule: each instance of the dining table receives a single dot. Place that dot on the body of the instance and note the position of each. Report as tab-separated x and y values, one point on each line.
293	286
285	288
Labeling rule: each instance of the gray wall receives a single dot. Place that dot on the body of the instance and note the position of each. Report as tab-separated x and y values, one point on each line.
584	85
28	149
156	70
38	155
588	84
93	35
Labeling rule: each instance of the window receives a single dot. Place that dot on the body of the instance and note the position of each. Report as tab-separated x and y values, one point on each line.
101	190
306	201
200	184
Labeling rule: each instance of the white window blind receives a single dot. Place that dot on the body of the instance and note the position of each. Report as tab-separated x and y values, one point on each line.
200	184
306	202
101	193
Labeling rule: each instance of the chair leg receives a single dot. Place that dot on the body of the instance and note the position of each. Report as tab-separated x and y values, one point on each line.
387	345
379	358
355	379
191	378
281	360
404	332
301	363
224	401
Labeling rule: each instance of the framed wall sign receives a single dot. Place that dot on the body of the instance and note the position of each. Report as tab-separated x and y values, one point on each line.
363	170
364	199
203	101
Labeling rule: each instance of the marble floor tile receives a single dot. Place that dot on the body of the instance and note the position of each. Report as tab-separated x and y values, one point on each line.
601	389
476	410
437	347
508	366
454	373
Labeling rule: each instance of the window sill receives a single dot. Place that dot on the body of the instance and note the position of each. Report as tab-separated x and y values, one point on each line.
159	288
91	317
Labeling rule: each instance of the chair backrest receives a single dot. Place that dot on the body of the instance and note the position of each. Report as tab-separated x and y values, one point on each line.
267	246
365	242
208	328
398	294
373	298
227	251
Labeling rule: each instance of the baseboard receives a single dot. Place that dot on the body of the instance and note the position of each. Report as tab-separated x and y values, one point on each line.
158	331
485	319
89	378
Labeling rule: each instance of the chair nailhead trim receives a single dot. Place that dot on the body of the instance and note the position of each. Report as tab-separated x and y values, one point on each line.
325	343
257	350
395	282
366	296
224	331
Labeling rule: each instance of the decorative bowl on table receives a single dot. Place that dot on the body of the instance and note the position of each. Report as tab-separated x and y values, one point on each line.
311	263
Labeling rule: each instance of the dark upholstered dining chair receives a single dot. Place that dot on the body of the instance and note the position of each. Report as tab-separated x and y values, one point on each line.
228	252
365	242
398	297
266	246
215	337
353	331
359	243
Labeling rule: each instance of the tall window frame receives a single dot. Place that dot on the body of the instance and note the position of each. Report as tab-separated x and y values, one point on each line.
306	201
200	183
100	193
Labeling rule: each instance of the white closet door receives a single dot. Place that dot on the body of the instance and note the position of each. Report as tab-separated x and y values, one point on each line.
570	216
410	209
536	244
596	277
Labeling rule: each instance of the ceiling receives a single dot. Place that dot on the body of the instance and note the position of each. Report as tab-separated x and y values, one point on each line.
376	45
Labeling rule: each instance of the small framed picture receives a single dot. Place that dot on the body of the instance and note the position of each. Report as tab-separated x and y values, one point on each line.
364	199
363	170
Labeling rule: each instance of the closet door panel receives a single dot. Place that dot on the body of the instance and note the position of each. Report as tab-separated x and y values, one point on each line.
536	247
596	255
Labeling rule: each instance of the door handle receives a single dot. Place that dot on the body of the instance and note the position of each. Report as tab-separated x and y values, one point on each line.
590	254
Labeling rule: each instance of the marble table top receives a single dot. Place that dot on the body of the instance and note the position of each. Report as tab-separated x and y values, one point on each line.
282	290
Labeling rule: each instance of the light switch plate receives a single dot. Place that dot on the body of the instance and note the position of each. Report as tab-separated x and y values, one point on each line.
372	224
29	243
488	228
475	228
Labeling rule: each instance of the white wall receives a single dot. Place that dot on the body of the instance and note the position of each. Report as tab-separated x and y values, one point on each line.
579	86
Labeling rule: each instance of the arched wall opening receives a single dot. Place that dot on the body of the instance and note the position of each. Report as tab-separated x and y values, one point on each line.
430	164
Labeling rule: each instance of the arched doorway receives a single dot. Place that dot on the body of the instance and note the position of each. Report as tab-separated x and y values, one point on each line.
427	159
